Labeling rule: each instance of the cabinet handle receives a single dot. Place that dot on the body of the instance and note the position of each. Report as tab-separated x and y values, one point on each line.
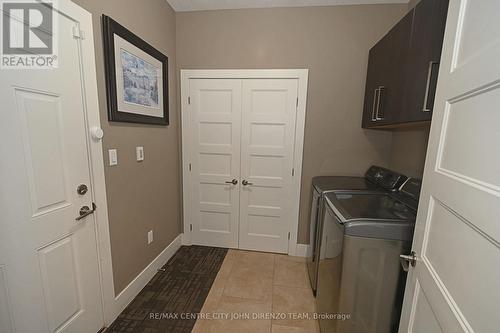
377	115
426	107
375	96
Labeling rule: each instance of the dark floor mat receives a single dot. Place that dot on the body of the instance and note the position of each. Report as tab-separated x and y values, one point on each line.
181	289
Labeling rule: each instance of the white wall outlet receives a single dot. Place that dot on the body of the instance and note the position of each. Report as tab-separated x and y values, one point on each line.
139	153
113	157
150	236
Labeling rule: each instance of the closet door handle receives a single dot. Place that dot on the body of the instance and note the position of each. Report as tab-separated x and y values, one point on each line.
426	107
375	97
245	182
234	182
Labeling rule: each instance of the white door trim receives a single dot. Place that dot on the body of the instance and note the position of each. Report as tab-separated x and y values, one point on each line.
88	68
302	76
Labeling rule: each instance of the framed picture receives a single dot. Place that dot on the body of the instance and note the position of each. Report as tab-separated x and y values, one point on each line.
136	77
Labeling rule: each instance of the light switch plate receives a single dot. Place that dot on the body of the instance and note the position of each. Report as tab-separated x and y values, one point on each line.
139	153
150	236
113	157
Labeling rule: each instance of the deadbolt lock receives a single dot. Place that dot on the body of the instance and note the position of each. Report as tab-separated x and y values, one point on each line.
82	189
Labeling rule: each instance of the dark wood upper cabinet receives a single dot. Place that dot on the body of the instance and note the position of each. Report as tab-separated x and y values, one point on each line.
423	62
377	66
403	68
387	59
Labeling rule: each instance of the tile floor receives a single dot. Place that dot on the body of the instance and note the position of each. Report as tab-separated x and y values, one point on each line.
254	283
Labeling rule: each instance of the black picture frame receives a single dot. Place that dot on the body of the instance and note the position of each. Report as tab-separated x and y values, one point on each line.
110	29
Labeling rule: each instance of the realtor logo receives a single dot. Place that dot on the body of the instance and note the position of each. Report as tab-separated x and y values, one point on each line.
28	34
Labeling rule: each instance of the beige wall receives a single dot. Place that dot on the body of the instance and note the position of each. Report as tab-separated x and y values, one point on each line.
412	3
333	42
141	196
409	147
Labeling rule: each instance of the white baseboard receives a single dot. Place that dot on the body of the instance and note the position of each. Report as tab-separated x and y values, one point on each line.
130	292
303	250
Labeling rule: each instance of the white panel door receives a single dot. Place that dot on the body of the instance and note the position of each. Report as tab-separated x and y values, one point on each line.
455	284
269	108
215	120
49	278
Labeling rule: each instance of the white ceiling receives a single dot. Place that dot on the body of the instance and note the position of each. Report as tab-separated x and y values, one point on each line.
194	5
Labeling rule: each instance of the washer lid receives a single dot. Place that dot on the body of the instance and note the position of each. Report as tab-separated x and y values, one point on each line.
371	206
373	215
341	183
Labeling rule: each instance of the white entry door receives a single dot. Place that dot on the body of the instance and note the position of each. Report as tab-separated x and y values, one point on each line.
241	136
455	284
215	121
49	273
268	136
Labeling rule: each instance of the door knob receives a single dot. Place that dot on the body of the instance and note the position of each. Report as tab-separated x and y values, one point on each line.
234	182
407	260
245	182
86	211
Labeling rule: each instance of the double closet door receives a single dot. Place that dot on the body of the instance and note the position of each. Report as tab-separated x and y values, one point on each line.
241	150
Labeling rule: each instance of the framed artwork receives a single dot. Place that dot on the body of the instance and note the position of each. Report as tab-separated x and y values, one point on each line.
136	77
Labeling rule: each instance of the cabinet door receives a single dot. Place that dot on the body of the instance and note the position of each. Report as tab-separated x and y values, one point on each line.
384	92
423	60
396	46
377	66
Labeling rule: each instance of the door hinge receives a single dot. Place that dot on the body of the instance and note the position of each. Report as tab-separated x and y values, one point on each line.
297	104
189	100
77	33
288	236
190	167
293	172
190	227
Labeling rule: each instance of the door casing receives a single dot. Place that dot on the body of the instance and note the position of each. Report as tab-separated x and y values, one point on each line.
98	188
302	77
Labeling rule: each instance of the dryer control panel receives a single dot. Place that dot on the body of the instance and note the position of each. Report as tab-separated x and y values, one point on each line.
385	178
